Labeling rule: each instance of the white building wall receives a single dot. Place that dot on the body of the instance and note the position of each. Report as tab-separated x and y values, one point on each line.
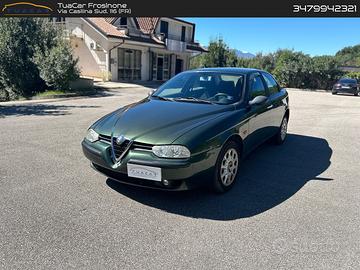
145	65
92	62
87	64
114	64
175	29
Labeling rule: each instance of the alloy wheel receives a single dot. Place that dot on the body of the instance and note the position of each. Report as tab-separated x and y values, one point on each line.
229	167
283	130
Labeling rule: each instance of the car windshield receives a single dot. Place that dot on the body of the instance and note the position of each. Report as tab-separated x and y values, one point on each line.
202	87
347	81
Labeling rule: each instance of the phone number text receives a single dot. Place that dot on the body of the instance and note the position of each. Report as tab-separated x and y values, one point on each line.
325	8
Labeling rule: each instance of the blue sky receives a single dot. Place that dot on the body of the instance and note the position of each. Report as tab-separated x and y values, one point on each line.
314	36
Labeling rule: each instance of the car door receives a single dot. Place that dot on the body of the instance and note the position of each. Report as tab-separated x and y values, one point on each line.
276	107
259	118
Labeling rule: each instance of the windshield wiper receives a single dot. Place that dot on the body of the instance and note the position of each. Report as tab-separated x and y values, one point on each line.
192	99
162	98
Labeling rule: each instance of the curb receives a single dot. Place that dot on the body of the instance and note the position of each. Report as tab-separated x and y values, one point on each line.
50	98
309	90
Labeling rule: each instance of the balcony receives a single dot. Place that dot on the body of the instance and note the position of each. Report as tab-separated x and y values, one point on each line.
175	45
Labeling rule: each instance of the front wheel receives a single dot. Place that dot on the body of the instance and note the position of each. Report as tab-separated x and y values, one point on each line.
281	135
356	93
334	93
226	168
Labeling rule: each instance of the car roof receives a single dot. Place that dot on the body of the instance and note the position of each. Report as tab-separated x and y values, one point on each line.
227	69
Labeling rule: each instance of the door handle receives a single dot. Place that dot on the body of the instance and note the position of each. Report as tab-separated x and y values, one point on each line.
270	106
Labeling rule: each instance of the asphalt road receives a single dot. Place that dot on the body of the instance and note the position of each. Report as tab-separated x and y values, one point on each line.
294	206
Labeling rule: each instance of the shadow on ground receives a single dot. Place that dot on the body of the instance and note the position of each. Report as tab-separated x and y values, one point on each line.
268	177
38	109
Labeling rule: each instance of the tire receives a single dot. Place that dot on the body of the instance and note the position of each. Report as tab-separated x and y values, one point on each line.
227	167
334	93
356	94
280	137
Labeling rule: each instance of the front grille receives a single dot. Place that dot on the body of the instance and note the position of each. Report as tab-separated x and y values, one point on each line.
105	138
140	145
119	149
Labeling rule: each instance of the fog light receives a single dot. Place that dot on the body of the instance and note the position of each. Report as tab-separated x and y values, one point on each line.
165	182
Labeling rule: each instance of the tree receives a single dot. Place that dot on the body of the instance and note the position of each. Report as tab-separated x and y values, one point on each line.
325	72
231	58
218	55
349	56
19	74
25	45
260	61
291	68
55	60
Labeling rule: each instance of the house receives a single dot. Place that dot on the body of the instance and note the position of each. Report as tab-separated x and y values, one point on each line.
133	48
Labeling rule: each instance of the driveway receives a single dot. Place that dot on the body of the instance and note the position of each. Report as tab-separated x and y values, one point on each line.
294	206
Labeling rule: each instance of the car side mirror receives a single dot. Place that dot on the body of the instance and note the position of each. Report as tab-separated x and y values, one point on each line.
258	100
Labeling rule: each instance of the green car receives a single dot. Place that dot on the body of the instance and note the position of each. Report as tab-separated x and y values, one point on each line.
193	130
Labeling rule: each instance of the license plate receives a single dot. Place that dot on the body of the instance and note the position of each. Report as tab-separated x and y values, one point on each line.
144	172
346	87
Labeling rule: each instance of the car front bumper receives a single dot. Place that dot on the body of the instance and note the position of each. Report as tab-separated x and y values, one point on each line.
181	174
352	90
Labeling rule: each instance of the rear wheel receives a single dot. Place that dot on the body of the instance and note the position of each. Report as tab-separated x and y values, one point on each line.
356	93
334	93
281	135
227	167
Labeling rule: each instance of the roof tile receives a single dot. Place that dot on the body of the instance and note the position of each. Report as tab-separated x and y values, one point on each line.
106	27
147	24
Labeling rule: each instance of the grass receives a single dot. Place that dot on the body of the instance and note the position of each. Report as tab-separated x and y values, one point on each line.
51	93
61	93
55	94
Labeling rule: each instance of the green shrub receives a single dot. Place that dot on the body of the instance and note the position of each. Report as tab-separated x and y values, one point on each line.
57	65
219	55
291	68
34	57
18	39
353	75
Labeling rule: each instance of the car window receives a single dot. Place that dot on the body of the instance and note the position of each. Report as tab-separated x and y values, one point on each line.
215	87
271	83
257	87
175	86
347	81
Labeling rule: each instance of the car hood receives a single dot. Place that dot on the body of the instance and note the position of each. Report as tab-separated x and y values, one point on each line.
156	121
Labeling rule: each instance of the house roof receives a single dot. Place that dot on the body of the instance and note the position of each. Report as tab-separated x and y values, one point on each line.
110	19
110	30
196	47
105	27
146	25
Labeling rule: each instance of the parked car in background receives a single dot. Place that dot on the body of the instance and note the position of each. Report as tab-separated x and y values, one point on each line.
199	123
346	85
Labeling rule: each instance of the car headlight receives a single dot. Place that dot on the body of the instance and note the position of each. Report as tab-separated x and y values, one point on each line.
171	151
92	135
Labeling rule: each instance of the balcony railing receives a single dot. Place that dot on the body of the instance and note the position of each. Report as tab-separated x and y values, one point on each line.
175	45
178	38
